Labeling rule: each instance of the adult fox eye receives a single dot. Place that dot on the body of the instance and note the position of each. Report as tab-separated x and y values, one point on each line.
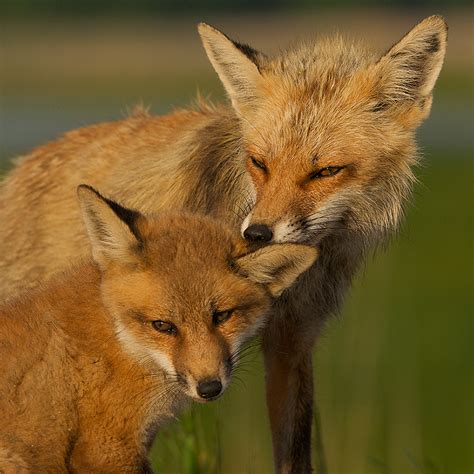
326	172
165	327
258	164
220	317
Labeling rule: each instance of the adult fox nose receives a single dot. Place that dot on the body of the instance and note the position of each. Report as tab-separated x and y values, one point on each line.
209	388
258	232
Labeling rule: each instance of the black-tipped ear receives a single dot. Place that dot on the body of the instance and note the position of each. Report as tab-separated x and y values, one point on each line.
111	227
236	64
408	71
277	266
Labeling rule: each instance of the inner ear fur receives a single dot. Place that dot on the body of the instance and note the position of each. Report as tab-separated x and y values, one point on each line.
111	228
408	71
277	266
237	65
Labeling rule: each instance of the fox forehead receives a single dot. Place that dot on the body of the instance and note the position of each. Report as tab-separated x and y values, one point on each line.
180	235
305	129
184	277
180	297
312	134
328	71
327	57
321	101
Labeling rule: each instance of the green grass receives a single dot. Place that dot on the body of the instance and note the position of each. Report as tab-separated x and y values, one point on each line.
394	373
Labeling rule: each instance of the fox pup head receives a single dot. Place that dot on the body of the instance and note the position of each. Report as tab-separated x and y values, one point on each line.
328	130
183	292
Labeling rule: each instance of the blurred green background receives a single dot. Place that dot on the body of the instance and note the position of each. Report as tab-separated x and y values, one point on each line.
394	372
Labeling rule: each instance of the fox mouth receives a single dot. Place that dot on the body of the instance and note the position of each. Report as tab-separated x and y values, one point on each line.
206	400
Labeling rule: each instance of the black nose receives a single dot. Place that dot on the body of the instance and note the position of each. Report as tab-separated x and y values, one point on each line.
209	388
258	232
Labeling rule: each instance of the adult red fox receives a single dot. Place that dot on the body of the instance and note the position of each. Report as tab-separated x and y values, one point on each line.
318	147
94	362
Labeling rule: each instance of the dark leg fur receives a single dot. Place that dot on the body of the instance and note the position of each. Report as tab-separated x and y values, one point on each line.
289	398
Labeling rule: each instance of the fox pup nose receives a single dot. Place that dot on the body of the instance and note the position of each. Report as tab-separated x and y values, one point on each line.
209	388
258	232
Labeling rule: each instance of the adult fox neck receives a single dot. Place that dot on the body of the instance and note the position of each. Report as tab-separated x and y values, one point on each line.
340	257
214	169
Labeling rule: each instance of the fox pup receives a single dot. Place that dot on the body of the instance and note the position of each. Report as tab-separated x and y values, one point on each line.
95	361
317	146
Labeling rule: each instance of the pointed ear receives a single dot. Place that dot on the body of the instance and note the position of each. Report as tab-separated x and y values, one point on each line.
408	71
277	266
111	227
236	64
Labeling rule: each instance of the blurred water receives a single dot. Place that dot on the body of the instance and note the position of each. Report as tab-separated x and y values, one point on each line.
27	125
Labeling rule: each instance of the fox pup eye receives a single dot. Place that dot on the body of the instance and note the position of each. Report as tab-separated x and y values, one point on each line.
220	317
258	164
326	172
165	327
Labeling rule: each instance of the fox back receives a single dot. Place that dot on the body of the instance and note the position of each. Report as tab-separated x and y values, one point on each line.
95	361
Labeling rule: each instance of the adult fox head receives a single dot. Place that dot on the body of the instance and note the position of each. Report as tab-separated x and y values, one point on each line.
183	292
328	130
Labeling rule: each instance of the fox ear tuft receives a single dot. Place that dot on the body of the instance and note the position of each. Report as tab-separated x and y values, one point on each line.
409	70
236	64
111	227
277	266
